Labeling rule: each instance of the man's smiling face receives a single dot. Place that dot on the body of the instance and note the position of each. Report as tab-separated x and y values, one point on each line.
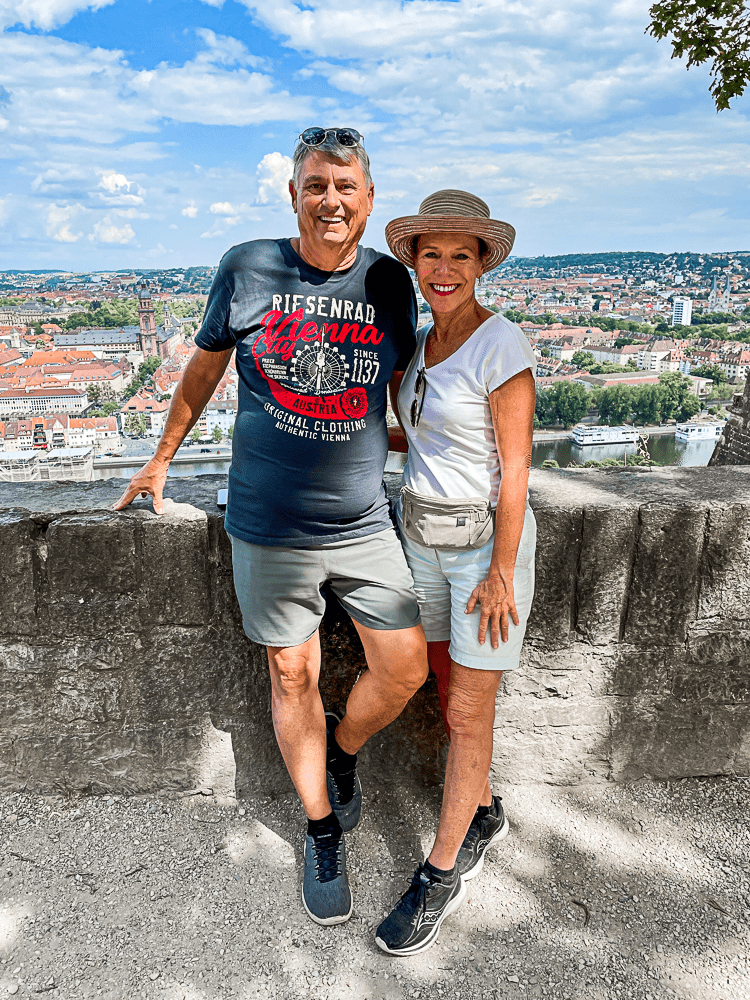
332	202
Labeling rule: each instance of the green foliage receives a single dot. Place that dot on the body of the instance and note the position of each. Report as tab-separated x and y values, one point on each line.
110	315
135	423
584	359
714	318
545	352
194	435
38	329
713	31
231	432
217	435
94	392
624	342
714	372
550	463
645	402
565	403
145	370
674	391
615	404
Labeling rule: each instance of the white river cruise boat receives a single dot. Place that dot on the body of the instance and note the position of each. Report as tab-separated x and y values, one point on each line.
698	431
584	434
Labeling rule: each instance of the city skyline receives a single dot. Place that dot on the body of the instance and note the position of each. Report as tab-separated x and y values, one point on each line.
158	135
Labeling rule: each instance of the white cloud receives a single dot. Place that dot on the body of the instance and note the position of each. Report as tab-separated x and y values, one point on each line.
105	231
190	210
274	174
44	14
59	220
111	181
222	208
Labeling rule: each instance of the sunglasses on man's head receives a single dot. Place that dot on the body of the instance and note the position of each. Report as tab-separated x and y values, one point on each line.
345	136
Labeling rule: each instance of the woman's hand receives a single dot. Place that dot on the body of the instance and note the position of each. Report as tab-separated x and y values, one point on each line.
495	597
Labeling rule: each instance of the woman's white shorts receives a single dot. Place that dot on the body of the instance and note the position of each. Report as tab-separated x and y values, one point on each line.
443	582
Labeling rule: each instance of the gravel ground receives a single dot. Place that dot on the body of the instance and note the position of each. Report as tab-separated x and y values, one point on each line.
602	891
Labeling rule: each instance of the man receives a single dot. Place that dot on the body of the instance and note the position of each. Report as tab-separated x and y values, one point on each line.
321	326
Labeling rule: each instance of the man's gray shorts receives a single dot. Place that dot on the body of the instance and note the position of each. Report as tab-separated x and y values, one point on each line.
280	593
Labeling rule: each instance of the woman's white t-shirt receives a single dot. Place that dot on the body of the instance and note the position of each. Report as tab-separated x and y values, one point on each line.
452	451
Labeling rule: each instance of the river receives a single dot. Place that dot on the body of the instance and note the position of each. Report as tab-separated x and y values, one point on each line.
664	449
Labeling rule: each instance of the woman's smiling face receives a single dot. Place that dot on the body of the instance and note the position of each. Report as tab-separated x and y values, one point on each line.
447	266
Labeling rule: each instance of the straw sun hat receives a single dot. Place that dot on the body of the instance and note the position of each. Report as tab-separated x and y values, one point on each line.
451	211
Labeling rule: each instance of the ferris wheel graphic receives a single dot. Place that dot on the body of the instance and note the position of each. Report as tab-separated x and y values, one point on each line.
319	369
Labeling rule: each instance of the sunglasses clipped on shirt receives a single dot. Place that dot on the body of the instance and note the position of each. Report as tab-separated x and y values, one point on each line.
418	405
315	135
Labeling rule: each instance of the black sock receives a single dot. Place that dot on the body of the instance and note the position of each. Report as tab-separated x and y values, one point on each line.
320	827
338	761
440	872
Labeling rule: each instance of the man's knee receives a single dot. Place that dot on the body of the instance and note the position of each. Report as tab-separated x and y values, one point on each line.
410	667
293	673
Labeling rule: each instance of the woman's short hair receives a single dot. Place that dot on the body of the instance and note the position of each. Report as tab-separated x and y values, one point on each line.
331	147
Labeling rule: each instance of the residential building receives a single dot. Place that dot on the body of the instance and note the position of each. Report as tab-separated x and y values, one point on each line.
682	311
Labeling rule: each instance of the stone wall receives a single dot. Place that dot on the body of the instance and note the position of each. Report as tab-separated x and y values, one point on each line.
123	666
733	447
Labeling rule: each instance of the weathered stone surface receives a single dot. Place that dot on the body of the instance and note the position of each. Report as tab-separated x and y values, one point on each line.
604	569
669	738
664	586
725	580
18	586
93	574
733	447
124	667
558	542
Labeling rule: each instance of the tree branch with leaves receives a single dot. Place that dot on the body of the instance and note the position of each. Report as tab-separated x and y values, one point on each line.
716	32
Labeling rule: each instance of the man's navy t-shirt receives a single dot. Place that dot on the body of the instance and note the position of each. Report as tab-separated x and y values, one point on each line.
315	353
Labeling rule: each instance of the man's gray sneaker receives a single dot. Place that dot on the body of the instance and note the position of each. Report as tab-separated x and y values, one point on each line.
414	922
489	826
325	887
344	788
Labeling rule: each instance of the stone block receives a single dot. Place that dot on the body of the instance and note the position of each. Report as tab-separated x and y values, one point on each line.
93	574
178	673
714	668
18	585
664	587
725	580
559	532
554	741
604	570
670	738
24	677
174	567
224	606
640	670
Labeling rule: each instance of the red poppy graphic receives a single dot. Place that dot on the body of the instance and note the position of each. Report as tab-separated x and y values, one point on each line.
354	402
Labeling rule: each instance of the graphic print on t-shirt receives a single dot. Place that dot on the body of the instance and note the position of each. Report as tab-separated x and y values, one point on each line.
311	367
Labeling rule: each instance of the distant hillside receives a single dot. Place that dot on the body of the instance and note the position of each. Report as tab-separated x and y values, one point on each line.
620	262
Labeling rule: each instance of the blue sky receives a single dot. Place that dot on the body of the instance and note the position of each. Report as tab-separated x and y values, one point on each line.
159	133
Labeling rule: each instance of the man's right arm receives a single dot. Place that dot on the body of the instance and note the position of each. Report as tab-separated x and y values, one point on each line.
201	376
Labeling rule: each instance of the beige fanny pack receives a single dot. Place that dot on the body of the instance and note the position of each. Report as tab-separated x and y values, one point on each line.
443	523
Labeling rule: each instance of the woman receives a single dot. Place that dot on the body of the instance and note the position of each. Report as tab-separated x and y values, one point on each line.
466	408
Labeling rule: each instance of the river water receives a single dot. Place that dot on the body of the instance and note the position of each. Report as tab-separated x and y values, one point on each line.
663	448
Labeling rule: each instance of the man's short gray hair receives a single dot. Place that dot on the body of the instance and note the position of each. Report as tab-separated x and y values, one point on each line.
331	147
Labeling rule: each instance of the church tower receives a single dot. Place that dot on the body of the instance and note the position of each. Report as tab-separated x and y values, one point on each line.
147	334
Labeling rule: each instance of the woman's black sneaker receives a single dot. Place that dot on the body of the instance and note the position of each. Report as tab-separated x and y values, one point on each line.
414	922
488	827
